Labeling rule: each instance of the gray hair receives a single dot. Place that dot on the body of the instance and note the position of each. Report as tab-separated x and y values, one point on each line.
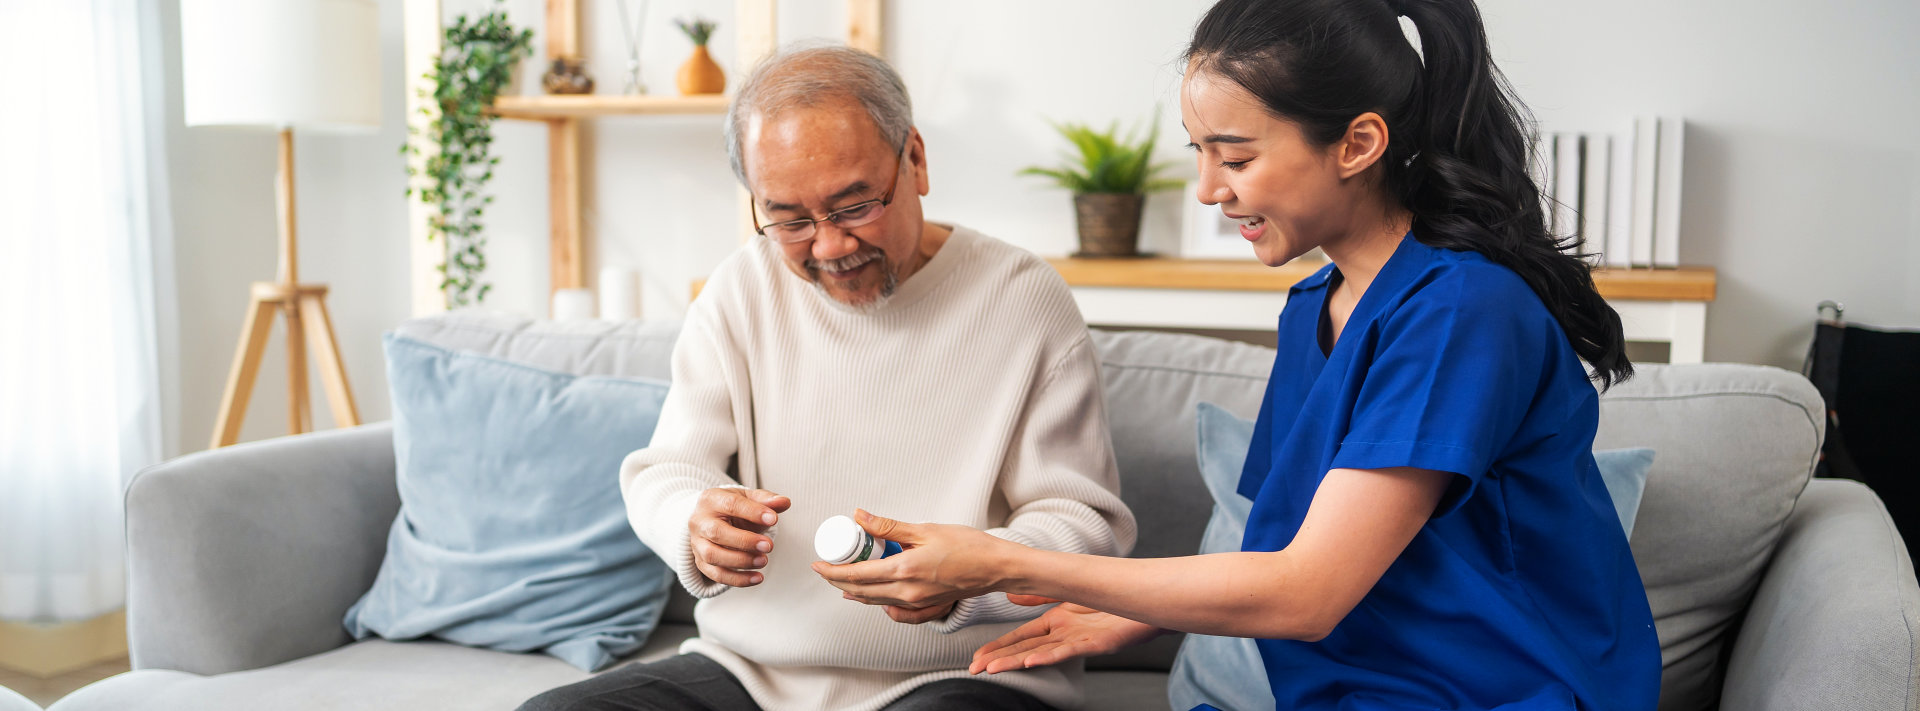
803	76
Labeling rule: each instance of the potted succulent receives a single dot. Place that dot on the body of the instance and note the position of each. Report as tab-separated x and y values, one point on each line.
1109	177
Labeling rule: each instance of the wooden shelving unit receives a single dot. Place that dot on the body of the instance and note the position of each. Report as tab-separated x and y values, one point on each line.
755	32
541	108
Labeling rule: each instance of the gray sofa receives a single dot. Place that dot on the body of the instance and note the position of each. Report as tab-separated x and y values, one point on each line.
1769	591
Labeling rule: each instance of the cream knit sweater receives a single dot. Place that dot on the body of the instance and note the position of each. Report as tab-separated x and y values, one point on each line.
971	397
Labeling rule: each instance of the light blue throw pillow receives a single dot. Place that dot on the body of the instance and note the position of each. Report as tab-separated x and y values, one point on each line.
1625	472
1226	672
512	534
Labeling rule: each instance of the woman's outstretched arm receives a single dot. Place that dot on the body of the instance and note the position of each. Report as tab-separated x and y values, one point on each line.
1357	525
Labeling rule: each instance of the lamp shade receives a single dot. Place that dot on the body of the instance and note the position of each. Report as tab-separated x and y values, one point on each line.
310	64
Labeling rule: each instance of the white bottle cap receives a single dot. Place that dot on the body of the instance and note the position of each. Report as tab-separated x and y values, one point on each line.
838	540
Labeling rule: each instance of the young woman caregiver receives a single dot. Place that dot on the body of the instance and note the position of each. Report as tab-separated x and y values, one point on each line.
1428	526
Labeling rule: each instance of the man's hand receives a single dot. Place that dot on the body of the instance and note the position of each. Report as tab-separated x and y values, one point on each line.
917	615
1063	633
728	533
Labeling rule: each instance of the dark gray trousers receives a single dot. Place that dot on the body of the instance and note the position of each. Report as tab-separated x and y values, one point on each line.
691	682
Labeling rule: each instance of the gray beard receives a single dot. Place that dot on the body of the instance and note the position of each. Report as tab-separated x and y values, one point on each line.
887	288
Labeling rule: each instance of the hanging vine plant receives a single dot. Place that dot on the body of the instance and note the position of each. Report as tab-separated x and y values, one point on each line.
477	59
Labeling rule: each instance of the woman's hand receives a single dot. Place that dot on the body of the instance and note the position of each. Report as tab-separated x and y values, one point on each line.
939	565
1063	633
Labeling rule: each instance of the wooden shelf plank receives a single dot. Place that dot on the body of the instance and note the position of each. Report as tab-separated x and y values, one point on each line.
590	105
1174	273
1682	284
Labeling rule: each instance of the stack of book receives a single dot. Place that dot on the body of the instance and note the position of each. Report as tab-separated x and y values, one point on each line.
1616	195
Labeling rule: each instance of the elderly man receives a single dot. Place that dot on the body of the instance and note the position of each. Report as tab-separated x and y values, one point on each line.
857	355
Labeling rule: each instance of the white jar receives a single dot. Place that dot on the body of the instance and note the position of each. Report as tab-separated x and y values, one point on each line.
839	541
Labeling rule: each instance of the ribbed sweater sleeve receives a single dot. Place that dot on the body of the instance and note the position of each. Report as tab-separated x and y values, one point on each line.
689	452
1060	480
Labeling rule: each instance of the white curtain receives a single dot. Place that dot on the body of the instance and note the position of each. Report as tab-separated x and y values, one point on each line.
85	274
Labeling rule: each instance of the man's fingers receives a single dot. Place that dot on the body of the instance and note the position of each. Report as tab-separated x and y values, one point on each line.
771	500
716	555
724	534
913	616
736	503
733	578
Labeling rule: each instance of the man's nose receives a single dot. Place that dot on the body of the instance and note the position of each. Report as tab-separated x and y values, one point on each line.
830	242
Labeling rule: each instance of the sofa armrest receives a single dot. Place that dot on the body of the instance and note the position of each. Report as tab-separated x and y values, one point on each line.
249	556
1833	622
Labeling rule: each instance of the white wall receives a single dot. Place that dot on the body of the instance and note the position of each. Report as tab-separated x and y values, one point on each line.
1800	177
1801	181
352	233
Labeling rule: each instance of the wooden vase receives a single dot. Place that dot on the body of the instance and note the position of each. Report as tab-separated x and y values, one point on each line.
700	75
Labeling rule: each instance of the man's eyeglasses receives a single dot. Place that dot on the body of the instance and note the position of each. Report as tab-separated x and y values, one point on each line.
846	218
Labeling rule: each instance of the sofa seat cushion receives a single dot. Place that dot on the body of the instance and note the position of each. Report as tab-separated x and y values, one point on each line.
1126	691
1736	447
366	676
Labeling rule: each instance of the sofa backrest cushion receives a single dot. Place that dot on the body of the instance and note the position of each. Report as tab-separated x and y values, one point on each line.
630	349
1736	447
1154	385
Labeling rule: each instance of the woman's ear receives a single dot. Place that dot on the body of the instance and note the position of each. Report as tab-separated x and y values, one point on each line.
1362	146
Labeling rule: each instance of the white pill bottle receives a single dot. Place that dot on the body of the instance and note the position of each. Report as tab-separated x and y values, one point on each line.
840	541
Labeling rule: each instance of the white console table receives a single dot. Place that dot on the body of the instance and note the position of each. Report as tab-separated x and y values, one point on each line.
1659	305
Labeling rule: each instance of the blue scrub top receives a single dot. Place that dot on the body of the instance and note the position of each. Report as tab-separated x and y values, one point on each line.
1520	592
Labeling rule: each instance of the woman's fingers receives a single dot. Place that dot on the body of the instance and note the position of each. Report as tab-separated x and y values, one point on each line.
1017	651
1031	629
886	528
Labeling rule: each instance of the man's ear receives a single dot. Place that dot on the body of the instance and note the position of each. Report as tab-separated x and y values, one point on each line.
1363	145
917	159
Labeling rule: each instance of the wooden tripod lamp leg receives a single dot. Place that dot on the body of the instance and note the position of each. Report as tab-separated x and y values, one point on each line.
333	374
246	365
299	413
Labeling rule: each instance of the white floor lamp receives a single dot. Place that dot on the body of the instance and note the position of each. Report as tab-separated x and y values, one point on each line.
312	64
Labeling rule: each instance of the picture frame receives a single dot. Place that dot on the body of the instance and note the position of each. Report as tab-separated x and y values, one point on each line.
1206	233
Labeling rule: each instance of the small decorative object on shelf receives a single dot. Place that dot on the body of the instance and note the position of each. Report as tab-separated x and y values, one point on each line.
700	75
632	30
1110	177
568	75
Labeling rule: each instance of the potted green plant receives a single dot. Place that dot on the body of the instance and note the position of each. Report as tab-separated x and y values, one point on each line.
478	58
1109	176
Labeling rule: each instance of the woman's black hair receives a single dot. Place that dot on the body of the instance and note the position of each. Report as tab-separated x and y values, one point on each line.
1457	150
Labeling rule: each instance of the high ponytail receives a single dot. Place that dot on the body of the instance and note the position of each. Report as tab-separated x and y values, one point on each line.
1457	156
